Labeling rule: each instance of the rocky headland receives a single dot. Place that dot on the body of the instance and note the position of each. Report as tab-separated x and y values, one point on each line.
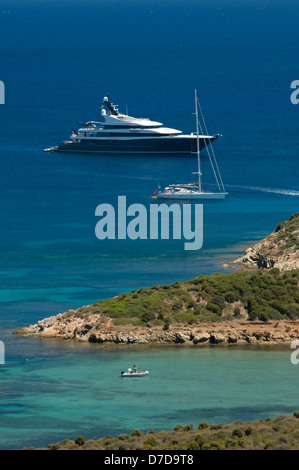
280	249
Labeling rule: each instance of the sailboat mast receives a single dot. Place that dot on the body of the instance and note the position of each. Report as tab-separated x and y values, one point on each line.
198	148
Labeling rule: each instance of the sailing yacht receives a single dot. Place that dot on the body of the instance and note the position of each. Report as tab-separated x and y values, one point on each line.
195	190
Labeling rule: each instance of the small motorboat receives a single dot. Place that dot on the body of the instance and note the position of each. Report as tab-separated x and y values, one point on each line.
134	373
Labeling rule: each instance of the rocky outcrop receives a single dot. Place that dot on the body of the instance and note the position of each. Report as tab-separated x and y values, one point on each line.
279	250
238	332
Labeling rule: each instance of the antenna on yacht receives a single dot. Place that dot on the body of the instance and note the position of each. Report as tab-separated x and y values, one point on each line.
111	107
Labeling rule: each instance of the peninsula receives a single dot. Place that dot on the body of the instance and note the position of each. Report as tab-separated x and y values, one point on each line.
248	306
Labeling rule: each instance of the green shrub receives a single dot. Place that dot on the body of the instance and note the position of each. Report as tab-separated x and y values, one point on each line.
237	312
148	316
147	447
179	427
231	443
206	446
150	441
124	445
188	427
231	297
200	440
174	441
203	425
243	442
217	300
80	441
237	433
53	446
193	446
214	308
269	446
214	445
216	426
264	317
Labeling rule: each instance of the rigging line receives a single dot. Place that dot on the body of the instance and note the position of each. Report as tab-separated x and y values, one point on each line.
215	161
216	165
206	130
201	130
215	174
211	146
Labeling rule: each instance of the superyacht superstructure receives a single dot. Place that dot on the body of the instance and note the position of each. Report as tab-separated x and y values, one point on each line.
119	133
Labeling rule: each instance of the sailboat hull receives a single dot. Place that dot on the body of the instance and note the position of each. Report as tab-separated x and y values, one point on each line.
191	196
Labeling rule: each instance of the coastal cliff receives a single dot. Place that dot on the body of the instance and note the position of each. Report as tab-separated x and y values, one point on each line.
279	250
260	306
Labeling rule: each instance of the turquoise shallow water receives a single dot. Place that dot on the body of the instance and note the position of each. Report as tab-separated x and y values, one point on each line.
66	389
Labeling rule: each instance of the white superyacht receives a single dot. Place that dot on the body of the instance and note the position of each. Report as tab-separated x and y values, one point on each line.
119	133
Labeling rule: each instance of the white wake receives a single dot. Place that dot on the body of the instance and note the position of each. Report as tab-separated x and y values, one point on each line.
287	192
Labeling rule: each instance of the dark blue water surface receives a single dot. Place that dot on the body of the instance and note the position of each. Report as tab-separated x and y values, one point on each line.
58	60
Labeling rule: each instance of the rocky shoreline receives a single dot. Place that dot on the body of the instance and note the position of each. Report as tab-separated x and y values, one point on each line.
238	332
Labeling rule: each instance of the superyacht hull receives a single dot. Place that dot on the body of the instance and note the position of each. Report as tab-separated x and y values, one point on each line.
154	145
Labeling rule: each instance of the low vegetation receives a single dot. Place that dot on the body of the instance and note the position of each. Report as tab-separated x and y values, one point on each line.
261	295
287	232
280	433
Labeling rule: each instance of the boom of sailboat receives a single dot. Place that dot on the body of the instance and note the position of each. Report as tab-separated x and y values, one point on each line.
195	190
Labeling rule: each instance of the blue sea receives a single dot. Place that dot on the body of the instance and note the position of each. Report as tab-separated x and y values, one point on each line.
58	60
